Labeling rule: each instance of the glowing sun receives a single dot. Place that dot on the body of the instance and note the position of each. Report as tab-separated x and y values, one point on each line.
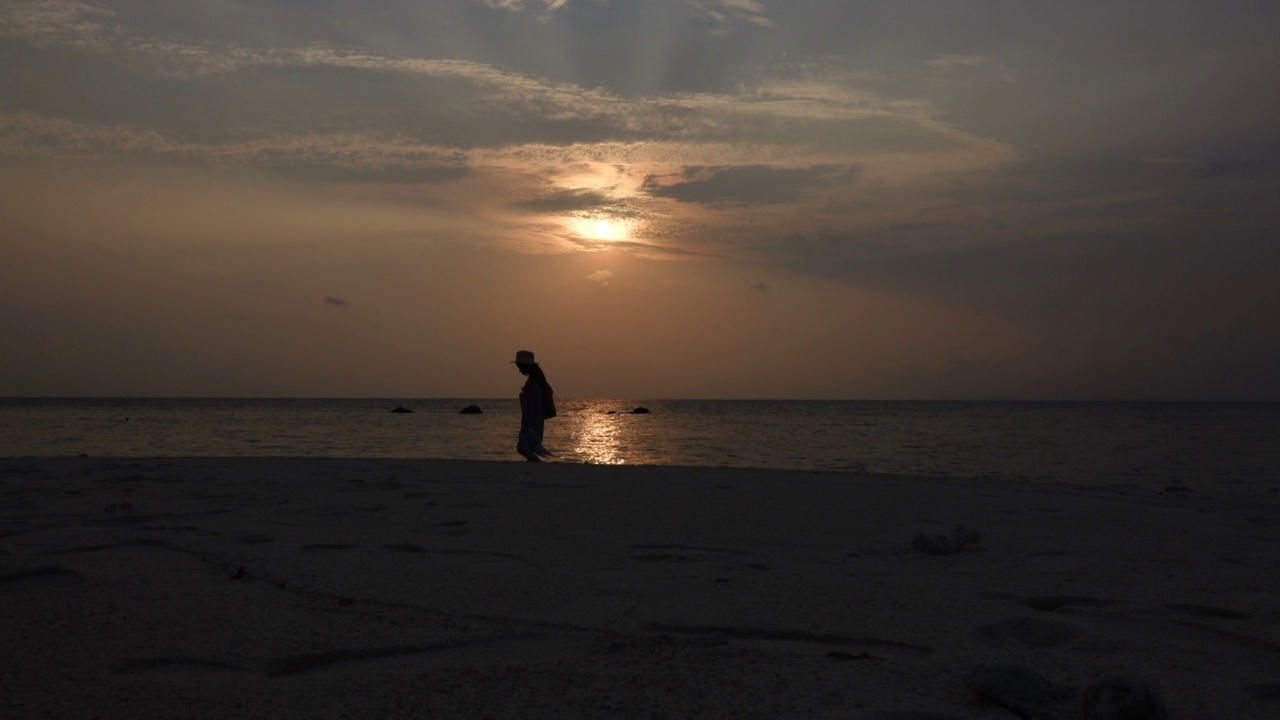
601	229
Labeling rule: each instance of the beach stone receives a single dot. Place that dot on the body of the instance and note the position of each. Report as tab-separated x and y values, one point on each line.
470	410
1123	698
1020	689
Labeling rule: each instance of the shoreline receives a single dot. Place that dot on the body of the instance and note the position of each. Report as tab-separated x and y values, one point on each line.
269	587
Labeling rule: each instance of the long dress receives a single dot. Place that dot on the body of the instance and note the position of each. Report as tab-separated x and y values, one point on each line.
532	418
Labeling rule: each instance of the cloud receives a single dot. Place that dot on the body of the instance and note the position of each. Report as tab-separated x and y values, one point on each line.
1216	168
354	114
44	22
566	201
750	184
24	134
343	156
723	11
334	301
992	67
719	11
519	4
603	277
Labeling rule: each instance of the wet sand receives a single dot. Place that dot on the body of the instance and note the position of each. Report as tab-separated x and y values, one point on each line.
270	588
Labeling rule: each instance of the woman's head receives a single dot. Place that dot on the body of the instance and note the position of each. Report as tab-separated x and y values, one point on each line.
527	364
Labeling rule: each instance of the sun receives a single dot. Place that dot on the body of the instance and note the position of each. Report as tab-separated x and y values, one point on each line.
601	229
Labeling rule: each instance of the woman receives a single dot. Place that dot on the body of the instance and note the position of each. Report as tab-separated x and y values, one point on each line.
536	405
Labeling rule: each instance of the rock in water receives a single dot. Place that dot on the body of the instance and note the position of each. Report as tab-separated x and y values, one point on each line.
1020	689
1123	698
470	410
640	411
400	409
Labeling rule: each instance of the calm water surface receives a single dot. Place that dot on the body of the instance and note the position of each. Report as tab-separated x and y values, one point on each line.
1149	444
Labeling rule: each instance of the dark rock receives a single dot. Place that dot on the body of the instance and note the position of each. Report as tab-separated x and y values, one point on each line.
1020	689
400	410
640	411
939	544
1123	698
470	410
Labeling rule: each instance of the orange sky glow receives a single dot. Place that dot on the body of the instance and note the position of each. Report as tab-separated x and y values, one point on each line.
678	198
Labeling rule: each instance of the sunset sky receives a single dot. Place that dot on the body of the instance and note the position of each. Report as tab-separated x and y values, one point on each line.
901	199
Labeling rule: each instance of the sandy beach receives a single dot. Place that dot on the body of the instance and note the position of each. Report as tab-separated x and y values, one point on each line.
273	588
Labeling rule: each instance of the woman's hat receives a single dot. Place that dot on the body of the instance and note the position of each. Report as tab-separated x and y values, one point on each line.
524	357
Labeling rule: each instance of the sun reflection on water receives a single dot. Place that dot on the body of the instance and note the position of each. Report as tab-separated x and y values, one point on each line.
600	439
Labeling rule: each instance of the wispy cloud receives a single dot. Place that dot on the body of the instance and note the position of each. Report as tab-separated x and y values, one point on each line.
723	11
749	184
520	4
44	22
791	121
602	277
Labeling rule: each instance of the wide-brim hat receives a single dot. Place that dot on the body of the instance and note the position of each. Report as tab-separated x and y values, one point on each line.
524	357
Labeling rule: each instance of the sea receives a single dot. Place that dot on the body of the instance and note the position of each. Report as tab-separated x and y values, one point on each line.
1157	445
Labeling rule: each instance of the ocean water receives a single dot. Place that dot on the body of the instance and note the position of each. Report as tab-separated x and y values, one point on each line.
1160	445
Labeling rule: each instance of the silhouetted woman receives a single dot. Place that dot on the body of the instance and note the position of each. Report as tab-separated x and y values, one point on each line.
536	405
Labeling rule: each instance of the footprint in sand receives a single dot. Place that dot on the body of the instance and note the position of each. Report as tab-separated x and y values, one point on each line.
405	547
793	637
145	542
1266	692
906	715
1029	632
661	557
45	575
454	527
143	665
1054	603
1208	611
691	553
